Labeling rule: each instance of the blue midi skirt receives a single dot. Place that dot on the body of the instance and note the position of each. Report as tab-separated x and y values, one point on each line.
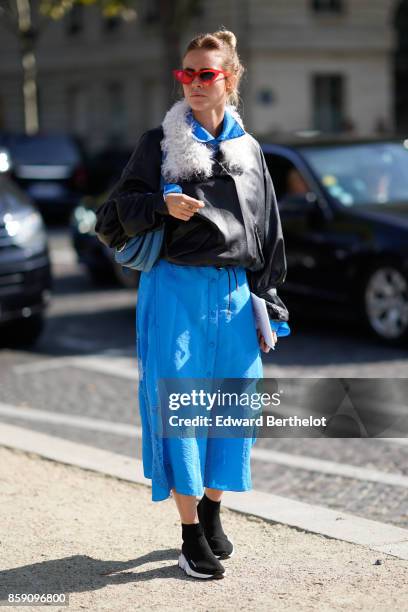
193	322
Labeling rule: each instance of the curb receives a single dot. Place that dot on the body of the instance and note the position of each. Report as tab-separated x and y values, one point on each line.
334	524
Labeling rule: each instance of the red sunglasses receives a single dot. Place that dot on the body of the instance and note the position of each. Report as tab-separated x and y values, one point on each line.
206	76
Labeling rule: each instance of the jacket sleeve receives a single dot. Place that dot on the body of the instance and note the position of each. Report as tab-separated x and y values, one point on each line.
136	204
264	282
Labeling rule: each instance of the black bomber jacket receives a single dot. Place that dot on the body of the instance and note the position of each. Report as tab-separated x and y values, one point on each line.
239	225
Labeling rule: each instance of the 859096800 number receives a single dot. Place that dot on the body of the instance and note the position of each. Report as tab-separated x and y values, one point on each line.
36	599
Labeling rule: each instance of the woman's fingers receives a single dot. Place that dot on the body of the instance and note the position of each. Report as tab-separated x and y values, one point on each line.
262	344
189	206
182	206
192	201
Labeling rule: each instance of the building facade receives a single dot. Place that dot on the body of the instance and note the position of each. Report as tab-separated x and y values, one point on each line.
310	64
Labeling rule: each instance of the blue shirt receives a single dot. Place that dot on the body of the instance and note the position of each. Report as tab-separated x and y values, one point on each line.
230	129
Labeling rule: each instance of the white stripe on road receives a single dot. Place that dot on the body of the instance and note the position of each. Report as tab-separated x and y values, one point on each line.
77	344
303	462
63	257
329	467
69	420
377	536
123	367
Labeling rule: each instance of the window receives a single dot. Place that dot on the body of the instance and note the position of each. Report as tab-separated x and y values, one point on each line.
2	115
40	104
400	24
77	110
44	149
328	102
75	20
288	181
327	6
362	173
117	113
152	11
110	24
400	75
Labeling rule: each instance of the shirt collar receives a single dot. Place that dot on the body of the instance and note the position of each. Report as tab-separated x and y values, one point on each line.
230	129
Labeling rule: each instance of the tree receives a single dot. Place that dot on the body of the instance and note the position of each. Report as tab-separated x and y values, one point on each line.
27	20
173	18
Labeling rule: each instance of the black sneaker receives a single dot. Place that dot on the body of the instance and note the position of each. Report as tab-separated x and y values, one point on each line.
209	515
197	558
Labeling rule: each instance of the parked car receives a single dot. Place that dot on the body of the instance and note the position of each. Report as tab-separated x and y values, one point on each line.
105	167
344	208
97	258
105	170
25	269
50	168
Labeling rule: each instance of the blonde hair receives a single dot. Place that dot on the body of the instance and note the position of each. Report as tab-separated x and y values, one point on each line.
226	42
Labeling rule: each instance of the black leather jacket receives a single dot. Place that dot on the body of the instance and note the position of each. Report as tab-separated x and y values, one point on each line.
239	225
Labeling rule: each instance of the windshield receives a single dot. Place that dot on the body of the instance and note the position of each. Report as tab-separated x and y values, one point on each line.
359	174
50	149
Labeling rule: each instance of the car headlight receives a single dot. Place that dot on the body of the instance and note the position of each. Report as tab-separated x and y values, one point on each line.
85	219
26	230
5	161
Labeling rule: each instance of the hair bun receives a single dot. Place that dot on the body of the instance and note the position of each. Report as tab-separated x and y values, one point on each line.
228	37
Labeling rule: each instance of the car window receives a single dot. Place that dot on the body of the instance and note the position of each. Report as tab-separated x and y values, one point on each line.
105	169
362	173
11	196
50	149
288	181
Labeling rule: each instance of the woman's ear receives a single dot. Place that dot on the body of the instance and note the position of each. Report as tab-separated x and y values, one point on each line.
230	83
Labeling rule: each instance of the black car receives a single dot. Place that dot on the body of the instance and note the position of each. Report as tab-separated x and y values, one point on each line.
25	269
344	209
105	169
50	168
96	257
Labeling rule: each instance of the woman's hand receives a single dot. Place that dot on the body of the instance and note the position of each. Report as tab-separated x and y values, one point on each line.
262	344
182	206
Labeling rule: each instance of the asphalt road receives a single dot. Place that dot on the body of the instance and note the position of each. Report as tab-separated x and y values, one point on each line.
80	383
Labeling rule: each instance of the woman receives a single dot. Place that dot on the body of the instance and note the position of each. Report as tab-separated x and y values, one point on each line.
220	215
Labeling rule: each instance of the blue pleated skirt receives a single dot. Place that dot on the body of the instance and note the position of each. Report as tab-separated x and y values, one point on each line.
193	322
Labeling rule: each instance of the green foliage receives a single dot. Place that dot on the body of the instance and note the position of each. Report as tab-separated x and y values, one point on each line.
56	9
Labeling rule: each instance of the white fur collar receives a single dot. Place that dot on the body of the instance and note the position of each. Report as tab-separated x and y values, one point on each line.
185	157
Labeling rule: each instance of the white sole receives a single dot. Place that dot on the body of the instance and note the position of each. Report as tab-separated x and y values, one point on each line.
183	563
231	553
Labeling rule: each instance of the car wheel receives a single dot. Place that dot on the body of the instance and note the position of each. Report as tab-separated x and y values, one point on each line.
25	332
384	303
126	276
